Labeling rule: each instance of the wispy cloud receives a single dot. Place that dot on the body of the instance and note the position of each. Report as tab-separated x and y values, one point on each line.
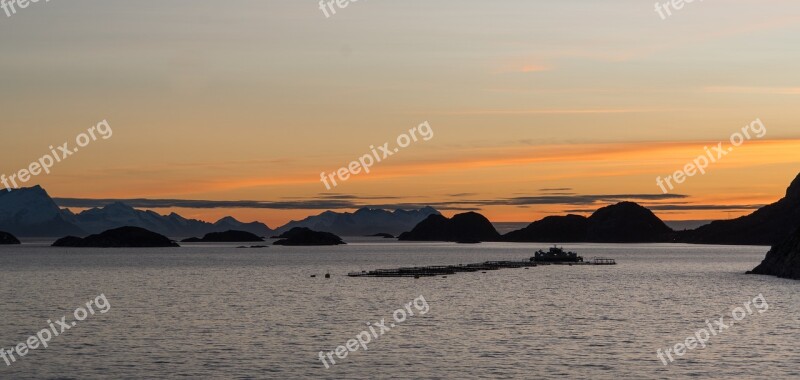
552	111
753	90
353	202
684	207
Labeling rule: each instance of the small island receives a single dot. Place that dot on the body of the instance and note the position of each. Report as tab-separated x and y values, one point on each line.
468	228
8	239
383	235
231	236
301	236
123	237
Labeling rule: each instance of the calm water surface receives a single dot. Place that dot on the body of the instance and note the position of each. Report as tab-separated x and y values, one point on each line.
217	312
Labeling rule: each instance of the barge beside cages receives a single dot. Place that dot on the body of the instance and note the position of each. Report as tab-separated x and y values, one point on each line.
555	256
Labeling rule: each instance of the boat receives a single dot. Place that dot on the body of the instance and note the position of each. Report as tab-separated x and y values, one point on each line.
556	255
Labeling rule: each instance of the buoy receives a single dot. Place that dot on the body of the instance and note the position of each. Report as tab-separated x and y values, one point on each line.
313	275
327	275
416	276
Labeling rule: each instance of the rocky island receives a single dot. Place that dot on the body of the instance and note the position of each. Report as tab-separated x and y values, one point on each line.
301	236
624	222
466	227
231	236
123	237
383	235
8	239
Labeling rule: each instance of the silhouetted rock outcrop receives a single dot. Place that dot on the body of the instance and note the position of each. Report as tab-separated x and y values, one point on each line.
469	226
383	235
123	237
300	236
8	239
569	228
624	222
225	237
627	222
783	260
768	225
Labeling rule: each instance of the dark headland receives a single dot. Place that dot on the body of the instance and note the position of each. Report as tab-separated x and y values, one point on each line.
783	260
768	225
123	237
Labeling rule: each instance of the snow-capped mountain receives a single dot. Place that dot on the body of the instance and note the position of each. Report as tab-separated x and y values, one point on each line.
31	212
365	221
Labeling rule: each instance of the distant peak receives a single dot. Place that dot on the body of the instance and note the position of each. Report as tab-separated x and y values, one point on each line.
228	219
36	188
793	191
424	210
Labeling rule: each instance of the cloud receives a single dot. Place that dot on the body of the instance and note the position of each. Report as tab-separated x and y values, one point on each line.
552	111
684	207
458	195
347	201
576	199
317	204
753	90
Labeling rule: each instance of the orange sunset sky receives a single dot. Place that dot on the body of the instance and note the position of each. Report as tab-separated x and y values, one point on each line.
537	107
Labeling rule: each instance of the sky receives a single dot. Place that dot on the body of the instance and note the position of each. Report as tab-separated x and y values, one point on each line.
535	107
